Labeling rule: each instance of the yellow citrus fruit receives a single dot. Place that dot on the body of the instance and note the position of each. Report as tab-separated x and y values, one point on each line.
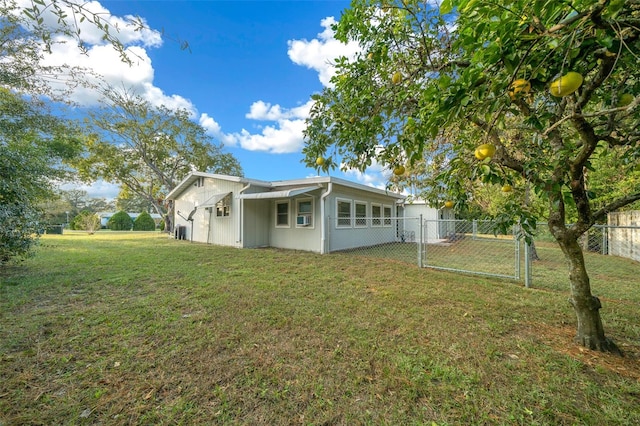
566	85
519	86
507	188
319	161
370	56
448	204
398	170
486	150
625	99
396	78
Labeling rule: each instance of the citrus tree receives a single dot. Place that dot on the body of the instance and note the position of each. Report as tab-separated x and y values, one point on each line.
518	93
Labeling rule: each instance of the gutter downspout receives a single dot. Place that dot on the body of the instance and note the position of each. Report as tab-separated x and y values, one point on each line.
241	224
323	227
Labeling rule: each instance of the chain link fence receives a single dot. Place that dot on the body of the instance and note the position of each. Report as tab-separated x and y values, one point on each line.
473	247
455	245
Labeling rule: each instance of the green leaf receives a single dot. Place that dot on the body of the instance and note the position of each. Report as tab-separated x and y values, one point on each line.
446	7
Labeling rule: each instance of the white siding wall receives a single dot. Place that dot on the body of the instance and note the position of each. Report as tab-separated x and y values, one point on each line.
207	227
257	221
296	237
433	230
625	242
342	237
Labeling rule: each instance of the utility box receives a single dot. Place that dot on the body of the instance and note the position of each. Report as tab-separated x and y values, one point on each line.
181	233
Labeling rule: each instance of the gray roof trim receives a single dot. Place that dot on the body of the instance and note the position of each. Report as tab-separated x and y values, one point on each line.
212	201
287	193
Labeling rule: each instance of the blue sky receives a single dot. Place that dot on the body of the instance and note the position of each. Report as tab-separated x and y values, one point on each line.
248	78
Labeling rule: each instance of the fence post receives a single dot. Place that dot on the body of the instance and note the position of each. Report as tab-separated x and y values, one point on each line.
527	264
420	247
605	231
516	237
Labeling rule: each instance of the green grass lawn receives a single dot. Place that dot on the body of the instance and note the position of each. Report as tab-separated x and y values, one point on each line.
136	328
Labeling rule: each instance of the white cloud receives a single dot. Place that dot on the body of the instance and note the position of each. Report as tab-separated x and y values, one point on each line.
285	135
101	63
320	53
214	129
121	28
264	111
284	138
376	175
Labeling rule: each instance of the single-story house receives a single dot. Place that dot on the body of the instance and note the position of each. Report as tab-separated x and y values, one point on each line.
319	214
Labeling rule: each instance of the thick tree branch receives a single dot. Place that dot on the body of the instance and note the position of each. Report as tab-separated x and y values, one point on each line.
615	205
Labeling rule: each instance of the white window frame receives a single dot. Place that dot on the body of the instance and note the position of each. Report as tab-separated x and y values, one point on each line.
340	218
387	220
277	214
223	207
199	182
376	221
360	221
310	214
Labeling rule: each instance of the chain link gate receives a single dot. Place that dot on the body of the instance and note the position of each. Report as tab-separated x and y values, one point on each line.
470	247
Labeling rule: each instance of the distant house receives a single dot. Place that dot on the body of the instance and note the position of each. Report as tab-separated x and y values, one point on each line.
438	222
318	214
105	216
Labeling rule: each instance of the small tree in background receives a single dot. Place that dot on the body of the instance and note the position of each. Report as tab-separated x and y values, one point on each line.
86	221
144	222
120	221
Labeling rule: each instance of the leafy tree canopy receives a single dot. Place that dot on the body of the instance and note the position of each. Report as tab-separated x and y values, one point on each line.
33	149
433	85
149	149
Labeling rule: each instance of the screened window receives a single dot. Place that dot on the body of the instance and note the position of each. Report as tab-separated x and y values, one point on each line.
361	214
305	213
376	215
223	207
387	215
343	208
282	214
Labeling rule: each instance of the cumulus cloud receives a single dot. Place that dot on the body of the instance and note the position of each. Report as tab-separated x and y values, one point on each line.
125	29
284	136
101	63
376	175
264	111
320	53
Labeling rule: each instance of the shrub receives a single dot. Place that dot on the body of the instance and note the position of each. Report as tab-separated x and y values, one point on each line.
144	222
85	221
120	221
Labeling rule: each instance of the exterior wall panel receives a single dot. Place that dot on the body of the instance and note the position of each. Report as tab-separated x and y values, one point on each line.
344	238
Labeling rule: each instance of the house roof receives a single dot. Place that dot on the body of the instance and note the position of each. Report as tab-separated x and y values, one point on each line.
193	176
280	185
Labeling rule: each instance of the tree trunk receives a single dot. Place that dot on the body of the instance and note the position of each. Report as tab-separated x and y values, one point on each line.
168	218
533	253
590	333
